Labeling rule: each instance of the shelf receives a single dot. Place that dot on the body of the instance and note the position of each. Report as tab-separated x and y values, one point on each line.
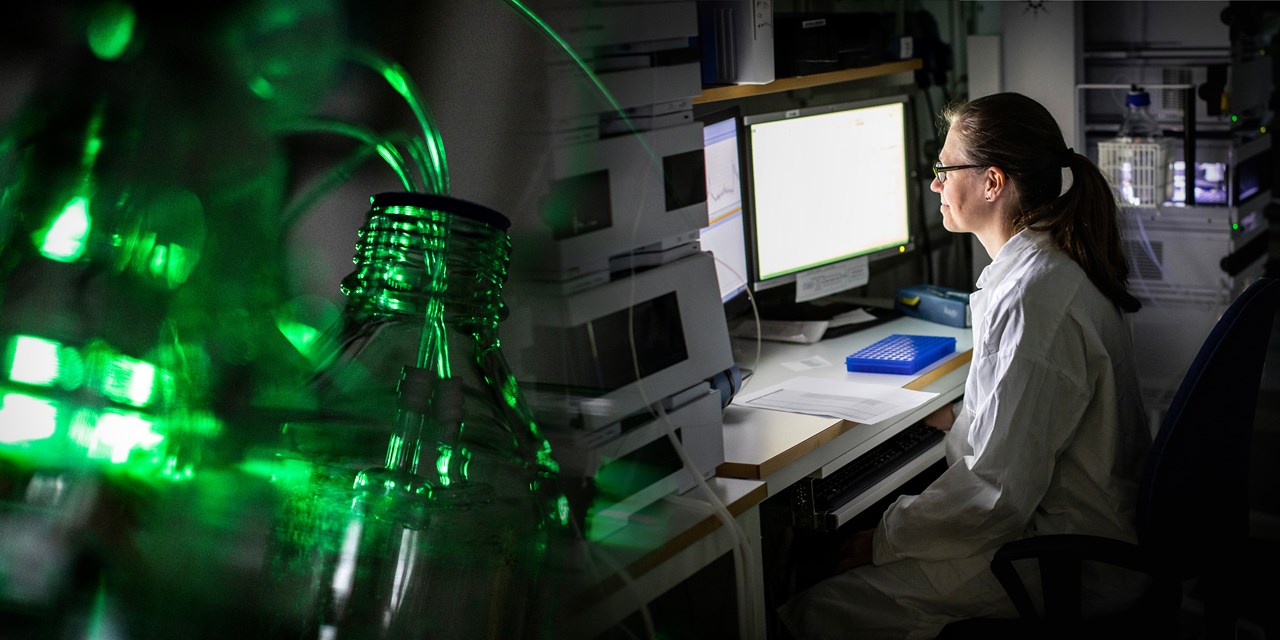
731	92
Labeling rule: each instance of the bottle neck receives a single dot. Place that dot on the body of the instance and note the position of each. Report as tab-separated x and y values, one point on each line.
414	262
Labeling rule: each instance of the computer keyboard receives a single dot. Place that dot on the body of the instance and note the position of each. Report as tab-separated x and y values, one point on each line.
814	498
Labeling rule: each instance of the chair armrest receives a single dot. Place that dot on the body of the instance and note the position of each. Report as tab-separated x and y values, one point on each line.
1061	558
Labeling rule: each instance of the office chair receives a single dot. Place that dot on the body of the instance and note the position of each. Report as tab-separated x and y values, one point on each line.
1193	508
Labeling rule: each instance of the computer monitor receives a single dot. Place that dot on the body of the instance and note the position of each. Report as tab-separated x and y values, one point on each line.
826	185
725	236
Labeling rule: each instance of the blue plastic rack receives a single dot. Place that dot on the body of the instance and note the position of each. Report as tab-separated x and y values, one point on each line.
900	353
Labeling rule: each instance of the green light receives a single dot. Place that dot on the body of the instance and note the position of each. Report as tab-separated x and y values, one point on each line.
1235	226
34	361
117	435
65	239
129	381
435	171
282	470
110	30
562	505
173	470
100	622
300	335
511	391
395	448
262	88
178	266
25	418
442	463
1235	118
545	458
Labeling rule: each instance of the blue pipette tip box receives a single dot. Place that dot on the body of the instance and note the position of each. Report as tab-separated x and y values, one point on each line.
900	353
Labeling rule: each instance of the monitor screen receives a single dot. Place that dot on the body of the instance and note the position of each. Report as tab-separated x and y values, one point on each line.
827	184
724	235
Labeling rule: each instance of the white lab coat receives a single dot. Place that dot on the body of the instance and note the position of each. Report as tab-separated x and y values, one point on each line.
1050	439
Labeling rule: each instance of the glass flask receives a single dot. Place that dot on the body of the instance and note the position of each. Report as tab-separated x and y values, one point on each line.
1139	125
454	534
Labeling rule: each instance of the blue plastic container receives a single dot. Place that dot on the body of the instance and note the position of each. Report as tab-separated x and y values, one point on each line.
900	354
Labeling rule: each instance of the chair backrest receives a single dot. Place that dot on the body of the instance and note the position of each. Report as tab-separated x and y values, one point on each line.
1193	505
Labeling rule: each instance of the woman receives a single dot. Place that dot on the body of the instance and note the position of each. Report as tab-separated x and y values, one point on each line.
1050	434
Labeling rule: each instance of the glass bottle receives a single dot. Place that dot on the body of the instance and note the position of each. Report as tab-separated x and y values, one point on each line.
453	533
1138	124
1140	159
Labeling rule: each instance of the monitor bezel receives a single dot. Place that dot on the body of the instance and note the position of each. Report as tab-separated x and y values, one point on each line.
746	150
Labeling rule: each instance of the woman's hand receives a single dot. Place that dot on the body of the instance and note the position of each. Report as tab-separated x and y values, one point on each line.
856	551
942	419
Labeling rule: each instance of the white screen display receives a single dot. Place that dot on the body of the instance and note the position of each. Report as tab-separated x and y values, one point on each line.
724	235
828	186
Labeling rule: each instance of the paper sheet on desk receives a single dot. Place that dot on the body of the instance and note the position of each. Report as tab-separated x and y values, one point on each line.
860	402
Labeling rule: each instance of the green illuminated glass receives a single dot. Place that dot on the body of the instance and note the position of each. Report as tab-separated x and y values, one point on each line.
459	517
34	360
65	238
116	436
111	30
129	381
26	418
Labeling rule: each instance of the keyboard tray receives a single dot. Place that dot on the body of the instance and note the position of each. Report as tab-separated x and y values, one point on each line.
814	499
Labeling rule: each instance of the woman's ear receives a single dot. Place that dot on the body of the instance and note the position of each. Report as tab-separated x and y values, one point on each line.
996	183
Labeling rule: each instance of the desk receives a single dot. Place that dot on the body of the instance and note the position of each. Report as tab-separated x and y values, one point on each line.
665	544
780	448
766	452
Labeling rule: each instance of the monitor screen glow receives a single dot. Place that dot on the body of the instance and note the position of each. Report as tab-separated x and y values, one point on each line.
827	184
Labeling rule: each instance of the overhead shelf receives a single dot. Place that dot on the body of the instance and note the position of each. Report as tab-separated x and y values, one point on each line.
732	92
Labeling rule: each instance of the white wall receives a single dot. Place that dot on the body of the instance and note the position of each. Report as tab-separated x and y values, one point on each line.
1042	51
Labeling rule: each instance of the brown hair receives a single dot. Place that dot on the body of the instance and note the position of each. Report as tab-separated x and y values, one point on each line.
1018	135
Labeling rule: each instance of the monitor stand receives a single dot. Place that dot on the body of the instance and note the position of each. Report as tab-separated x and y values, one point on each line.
780	309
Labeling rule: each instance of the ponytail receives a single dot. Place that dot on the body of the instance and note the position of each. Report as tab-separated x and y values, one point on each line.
1084	224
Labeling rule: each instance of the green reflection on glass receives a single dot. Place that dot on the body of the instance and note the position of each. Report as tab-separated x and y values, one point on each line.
34	361
110	30
129	381
65	239
115	437
302	336
442	463
511	392
262	88
26	418
173	469
562	506
546	459
294	473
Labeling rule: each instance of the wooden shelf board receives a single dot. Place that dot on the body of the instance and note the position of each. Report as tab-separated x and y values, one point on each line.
731	92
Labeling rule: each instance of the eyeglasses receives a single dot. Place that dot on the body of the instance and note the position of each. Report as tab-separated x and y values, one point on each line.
940	172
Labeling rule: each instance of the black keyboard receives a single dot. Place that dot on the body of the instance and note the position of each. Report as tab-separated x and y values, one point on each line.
814	498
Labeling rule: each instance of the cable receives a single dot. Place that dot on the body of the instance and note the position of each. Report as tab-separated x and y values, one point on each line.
590	553
755	312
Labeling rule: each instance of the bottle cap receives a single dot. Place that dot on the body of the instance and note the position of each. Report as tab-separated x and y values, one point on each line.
1138	99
